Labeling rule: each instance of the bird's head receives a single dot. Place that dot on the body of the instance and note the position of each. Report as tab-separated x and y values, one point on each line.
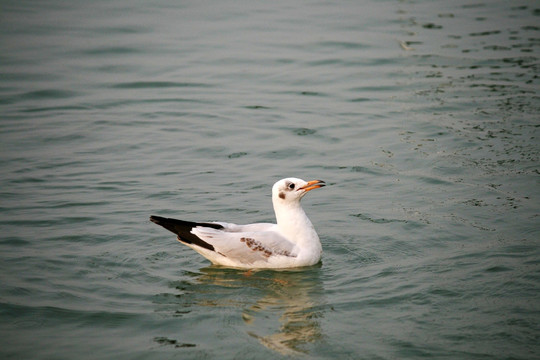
291	190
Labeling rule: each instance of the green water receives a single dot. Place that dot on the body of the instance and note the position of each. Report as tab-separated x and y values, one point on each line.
422	117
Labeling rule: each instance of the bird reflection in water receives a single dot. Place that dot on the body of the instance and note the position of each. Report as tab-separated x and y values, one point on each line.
285	318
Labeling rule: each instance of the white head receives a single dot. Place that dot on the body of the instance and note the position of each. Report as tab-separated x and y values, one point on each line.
291	190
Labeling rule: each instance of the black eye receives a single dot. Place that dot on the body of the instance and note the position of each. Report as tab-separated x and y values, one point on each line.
291	186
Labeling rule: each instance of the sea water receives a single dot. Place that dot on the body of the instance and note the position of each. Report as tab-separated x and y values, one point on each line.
421	116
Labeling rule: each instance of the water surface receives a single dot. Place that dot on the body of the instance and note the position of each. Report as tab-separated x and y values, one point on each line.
422	116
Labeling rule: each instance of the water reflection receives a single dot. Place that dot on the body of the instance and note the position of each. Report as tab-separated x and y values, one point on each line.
281	308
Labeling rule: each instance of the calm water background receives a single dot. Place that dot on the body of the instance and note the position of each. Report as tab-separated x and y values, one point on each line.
421	115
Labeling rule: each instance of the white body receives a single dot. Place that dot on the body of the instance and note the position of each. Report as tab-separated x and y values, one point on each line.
292	242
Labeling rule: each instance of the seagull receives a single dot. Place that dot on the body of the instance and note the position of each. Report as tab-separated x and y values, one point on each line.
292	242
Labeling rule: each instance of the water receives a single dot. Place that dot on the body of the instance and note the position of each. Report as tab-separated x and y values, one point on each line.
421	116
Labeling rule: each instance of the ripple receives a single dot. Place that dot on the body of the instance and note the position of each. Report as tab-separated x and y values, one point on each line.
377	220
111	50
49	94
304	131
158	84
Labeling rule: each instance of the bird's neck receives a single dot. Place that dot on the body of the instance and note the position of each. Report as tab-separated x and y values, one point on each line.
295	225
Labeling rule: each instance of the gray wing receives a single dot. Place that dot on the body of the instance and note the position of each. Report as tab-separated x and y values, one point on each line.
247	246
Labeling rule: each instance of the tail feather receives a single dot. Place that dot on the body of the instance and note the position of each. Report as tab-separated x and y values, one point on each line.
183	230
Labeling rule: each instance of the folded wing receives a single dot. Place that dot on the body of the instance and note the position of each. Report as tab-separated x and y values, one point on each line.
248	246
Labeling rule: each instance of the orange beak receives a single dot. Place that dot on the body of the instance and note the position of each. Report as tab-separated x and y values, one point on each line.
313	184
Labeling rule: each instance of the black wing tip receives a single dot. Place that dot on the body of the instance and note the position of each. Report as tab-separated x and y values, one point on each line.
183	228
163	220
156	219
